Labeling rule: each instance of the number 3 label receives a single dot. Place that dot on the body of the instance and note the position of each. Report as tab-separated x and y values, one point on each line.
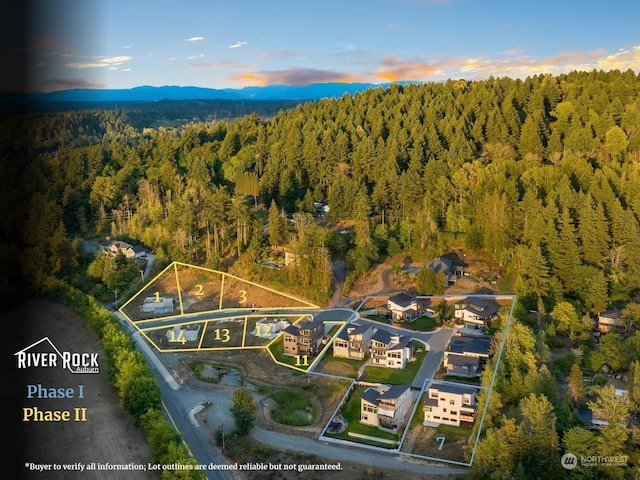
243	297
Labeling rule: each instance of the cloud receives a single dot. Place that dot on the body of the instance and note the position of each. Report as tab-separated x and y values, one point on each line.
238	45
101	62
194	39
294	76
195	57
622	60
394	69
55	84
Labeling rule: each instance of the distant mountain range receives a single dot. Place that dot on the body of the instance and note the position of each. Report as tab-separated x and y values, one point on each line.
147	93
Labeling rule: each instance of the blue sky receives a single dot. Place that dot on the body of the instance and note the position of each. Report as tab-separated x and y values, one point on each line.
237	43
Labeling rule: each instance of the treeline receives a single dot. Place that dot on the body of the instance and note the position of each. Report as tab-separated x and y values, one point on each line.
542	173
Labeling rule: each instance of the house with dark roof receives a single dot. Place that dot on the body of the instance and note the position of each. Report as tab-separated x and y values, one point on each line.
390	349
446	404
403	307
476	312
443	265
467	348
386	407
353	341
463	366
304	338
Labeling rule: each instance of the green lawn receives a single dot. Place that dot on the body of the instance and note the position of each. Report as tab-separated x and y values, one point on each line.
395	376
378	318
423	323
351	413
277	349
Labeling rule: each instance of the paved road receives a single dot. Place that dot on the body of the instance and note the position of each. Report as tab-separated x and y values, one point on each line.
328	451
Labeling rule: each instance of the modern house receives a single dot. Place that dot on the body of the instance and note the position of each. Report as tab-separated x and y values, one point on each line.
450	405
353	342
609	321
385	407
304	338
476	312
391	350
466	349
403	307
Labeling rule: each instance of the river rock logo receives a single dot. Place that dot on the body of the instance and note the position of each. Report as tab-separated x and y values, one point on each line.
44	354
569	461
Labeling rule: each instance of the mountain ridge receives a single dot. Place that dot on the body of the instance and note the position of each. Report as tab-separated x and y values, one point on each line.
147	93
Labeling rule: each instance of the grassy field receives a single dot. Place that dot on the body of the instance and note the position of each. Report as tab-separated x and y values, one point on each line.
293	406
394	376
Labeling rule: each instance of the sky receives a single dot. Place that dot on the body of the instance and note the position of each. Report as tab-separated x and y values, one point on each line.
238	43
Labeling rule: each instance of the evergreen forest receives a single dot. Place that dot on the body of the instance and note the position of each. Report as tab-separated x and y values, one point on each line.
540	174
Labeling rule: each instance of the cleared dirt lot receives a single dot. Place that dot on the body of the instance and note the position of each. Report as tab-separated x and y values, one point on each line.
108	435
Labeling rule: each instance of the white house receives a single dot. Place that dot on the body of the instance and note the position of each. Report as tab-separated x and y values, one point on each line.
403	307
476	312
353	341
450	405
391	350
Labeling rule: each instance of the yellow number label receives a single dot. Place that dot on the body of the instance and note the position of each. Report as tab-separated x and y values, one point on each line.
302	361
243	297
222	334
179	339
262	330
199	290
157	296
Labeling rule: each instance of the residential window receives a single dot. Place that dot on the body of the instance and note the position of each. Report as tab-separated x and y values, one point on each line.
453	413
452	402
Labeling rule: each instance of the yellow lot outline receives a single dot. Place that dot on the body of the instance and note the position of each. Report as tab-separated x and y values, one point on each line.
258	314
304	304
